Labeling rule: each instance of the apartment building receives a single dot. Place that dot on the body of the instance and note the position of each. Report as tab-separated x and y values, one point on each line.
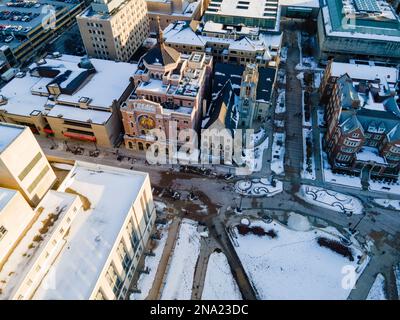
163	12
15	215
226	43
170	88
84	240
23	165
363	118
264	14
365	29
114	29
70	97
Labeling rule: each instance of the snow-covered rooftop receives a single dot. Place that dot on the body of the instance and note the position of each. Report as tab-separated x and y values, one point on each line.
8	133
5	197
30	93
28	250
365	72
111	193
300	3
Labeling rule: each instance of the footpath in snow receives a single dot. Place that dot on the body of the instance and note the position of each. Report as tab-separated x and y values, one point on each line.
179	278
219	283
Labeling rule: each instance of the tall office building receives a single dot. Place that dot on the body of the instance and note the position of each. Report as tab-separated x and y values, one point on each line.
114	29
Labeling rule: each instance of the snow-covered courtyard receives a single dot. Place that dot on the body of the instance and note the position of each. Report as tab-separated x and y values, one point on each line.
331	200
219	283
286	263
179	278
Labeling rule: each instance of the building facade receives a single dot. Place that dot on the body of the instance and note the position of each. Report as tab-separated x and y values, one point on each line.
23	165
161	13
264	14
60	97
114	29
363	132
169	89
71	255
347	29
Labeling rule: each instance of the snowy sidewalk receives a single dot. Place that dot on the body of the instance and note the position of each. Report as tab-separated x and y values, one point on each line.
154	292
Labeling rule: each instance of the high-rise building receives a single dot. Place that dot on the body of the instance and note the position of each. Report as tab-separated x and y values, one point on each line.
23	165
83	241
114	29
163	12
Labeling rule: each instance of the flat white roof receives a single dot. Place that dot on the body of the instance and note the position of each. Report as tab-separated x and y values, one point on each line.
247	8
111	192
364	72
107	84
8	133
300	3
5	197
28	250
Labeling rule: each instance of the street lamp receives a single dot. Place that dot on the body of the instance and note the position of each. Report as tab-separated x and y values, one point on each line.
353	230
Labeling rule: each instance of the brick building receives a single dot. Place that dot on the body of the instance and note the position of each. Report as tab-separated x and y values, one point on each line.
363	118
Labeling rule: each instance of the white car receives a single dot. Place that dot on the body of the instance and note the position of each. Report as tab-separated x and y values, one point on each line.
8	39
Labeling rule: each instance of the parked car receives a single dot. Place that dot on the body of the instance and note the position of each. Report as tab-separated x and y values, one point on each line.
8	39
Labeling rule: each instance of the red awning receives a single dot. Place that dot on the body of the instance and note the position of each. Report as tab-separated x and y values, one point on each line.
79	136
48	130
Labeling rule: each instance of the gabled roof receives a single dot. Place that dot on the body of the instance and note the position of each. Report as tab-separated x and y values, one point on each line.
162	54
221	109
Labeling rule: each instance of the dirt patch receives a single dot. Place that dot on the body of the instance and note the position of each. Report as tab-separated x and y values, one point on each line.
85	201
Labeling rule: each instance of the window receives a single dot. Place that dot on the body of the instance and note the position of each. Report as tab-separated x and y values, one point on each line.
343	157
3	232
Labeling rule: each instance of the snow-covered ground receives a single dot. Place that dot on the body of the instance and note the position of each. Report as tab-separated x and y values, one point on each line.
391	204
219	283
254	162
330	199
308	171
396	270
145	281
377	291
384	187
284	51
294	266
257	137
321	121
278	153
179	279
280	102
258	187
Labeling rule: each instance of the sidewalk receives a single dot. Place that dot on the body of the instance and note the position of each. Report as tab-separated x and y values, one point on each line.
154	292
